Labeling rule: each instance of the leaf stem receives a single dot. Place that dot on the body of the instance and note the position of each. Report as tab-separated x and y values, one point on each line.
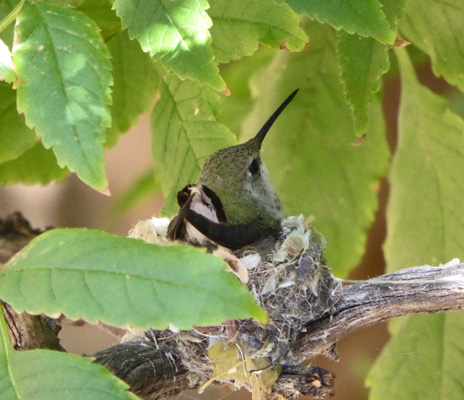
11	16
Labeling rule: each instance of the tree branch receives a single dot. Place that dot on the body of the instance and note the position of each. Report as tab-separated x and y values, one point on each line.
408	291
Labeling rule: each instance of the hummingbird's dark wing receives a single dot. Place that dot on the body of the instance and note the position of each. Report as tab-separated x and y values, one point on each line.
232	236
177	227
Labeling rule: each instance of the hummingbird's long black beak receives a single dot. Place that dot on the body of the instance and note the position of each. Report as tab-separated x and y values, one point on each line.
262	132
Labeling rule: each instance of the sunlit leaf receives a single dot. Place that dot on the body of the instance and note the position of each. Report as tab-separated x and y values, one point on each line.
64	72
364	17
174	33
239	27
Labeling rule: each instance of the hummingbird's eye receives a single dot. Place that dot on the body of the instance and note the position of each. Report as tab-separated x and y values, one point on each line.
254	166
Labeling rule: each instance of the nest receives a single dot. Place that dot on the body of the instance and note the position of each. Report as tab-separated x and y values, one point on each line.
294	285
288	277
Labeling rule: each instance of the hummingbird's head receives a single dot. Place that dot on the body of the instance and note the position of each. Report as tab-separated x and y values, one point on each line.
239	177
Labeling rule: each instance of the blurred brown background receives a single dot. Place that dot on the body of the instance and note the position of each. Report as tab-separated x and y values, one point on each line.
73	204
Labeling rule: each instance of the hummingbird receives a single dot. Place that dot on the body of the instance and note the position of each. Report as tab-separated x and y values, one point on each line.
233	203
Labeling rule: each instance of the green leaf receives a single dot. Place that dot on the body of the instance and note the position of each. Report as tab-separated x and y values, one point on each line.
135	84
15	137
7	72
144	187
428	176
315	167
64	69
36	165
363	61
424	212
52	375
185	132
237	106
423	360
101	12
239	27
174	33
437	29
118	280
364	17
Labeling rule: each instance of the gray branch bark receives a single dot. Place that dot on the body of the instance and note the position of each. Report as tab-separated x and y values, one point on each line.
408	291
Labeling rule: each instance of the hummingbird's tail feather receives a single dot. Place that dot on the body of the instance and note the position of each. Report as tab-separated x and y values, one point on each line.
232	236
263	131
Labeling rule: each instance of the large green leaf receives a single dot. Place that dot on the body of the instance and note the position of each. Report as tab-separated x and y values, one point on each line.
364	17
426	171
438	30
35	165
51	375
15	137
118	280
363	61
312	161
135	84
64	69
185	132
424	360
425	223
239	27
174	33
